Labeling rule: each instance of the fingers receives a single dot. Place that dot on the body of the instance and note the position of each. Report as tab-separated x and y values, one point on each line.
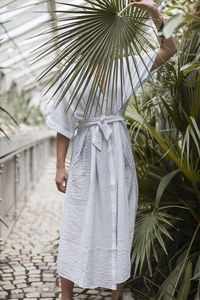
60	186
61	181
136	3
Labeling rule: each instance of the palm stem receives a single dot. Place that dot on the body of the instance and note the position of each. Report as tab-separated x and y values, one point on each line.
120	13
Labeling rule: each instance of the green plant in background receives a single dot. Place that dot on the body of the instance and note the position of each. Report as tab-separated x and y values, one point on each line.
4	114
27	113
6	117
18	108
165	131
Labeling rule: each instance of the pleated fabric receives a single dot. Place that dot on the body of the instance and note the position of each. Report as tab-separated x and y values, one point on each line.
101	199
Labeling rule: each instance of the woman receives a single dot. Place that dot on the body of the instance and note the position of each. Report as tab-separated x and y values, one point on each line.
101	189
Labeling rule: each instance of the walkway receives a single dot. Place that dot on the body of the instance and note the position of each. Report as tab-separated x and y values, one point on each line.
28	261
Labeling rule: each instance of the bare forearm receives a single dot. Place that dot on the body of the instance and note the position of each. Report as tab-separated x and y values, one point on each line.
155	15
62	144
168	44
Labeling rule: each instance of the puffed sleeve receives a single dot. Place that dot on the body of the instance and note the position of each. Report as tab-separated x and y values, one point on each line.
60	120
140	69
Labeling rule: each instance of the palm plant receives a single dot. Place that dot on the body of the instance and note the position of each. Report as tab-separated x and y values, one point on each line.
5	115
166	141
26	112
95	35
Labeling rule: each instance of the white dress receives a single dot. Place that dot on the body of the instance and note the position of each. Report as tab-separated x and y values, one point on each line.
101	197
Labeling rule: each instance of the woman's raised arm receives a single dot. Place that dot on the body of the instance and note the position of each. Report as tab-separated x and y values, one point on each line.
167	46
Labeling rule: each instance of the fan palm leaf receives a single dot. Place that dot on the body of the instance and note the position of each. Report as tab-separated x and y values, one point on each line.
182	270
148	232
99	35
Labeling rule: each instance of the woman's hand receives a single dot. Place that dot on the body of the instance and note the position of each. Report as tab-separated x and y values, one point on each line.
61	177
62	144
144	4
167	46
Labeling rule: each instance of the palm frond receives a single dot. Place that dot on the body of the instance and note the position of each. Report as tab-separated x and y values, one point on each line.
148	231
95	36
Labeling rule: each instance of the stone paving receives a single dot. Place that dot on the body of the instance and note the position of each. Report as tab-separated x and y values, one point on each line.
28	260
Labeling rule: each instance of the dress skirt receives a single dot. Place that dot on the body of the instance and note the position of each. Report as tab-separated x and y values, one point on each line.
99	211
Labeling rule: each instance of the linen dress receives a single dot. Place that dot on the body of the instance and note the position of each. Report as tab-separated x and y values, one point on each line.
101	197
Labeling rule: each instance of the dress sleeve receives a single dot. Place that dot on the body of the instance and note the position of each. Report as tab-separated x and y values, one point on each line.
140	69
60	120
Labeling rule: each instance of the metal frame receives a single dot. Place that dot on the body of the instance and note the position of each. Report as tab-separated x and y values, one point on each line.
15	58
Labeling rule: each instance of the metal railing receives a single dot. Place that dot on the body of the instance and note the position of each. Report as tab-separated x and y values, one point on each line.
21	164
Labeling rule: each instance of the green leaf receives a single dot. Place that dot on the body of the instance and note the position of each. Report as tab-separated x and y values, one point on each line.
189	67
2	221
163	185
196	274
186	283
172	24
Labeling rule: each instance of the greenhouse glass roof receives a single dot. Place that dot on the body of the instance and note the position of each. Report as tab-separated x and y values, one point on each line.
20	22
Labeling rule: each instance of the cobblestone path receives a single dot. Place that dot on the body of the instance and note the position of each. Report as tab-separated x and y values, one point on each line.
28	261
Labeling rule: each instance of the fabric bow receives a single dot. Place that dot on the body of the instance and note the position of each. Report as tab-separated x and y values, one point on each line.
101	129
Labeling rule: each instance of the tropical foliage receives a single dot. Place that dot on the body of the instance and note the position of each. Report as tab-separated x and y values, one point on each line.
16	108
5	115
165	130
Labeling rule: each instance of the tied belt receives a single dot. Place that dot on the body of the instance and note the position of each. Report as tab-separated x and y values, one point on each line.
102	127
